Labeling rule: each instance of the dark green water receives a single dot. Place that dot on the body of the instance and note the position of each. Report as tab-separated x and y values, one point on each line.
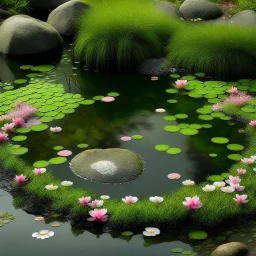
101	125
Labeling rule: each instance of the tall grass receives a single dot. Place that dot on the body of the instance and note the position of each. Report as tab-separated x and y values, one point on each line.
122	33
223	51
15	6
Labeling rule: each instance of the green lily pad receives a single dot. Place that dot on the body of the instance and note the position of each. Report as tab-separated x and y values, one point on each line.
225	175
235	147
43	68
170	118
174	75
172	90
57	148
235	157
213	155
161	147
58	160
198	235
82	145
171	128
26	67
20	81
127	233
203	111
189	131
46	119
113	94
98	97
183	125
23	130
215	178
181	116
205	117
87	102
188	78
173	151
41	164
19	138
172	101
187	252
39	127
137	137
220	140
19	151
195	126
177	250
8	87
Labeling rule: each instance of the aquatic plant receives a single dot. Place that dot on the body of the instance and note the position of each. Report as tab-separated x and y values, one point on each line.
39	171
51	187
173	176
95	203
180	84
122	34
151	231
66	183
43	234
241	199
192	203
209	188
55	129
20	179
3	136
84	200
130	199
221	51
98	215
156	199
8	127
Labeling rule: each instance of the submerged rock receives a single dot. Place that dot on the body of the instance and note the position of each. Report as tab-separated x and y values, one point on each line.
64	17
244	18
230	249
113	165
192	9
22	34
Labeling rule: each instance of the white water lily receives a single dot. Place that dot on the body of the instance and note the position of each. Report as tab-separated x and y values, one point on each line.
208	188
51	187
151	231
55	129
219	184
160	110
43	234
104	197
156	199
188	182
66	183
227	189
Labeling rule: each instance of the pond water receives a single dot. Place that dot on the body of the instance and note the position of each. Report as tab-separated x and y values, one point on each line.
101	125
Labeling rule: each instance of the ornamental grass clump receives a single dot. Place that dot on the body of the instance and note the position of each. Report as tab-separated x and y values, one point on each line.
122	34
221	51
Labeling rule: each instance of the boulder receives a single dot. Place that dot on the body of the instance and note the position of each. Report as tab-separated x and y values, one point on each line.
45	5
192	9
168	8
64	17
244	18
113	165
22	35
230	249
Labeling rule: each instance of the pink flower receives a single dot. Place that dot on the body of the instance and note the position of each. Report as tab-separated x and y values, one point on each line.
126	138
237	187
20	179
247	160
130	199
39	171
7	127
96	203
98	215
233	180
217	107
241	199
233	90
173	176
181	84
192	203
84	200
238	99
253	123
3	136
241	171
18	121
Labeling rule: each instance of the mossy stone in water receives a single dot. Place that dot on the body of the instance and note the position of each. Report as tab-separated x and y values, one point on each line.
113	165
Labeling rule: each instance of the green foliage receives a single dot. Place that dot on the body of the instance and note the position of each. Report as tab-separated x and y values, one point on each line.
122	33
222	51
15	6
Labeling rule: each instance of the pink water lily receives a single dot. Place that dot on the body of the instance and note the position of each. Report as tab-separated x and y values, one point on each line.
233	90
130	199
18	121
98	215
181	84
108	99
8	127
237	187
3	136
253	123
39	171
84	200
233	180
192	203
96	203
20	179
247	161
126	138
156	199
55	129
173	176
241	199
65	153
241	171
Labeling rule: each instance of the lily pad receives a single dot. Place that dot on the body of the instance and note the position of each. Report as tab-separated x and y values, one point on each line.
220	140
58	148
39	127
177	250
235	157
58	160
181	116
161	147
235	147
19	151
213	155
173	151
189	131
170	118
215	178
82	145
43	68
171	128
23	130
137	137
127	233
26	67
19	138
113	94
55	224
20	81
41	164
198	235
172	101
87	102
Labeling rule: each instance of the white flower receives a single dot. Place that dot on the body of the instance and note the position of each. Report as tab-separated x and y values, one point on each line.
43	234
130	199
151	231
188	182
160	110
156	199
253	157
55	129
51	187
208	188
219	184
227	189
66	183
104	197
254	169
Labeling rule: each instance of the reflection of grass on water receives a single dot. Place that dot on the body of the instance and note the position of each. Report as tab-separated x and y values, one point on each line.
217	206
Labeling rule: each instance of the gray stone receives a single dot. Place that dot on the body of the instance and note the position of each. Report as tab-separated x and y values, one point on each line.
45	5
64	17
244	18
5	14
113	165
192	9
230	249
168	8
156	67
21	35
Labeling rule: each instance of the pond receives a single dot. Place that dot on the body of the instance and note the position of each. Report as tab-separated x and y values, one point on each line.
101	125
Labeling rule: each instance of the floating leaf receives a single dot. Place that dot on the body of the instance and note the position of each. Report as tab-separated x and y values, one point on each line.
58	148
181	116
20	81
189	131
173	151
215	178
19	151
137	137
41	164
55	224
58	160
39	127
235	147
220	140
161	147
198	235
213	155
19	138
127	233
82	145
171	128
87	102
177	250
235	157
